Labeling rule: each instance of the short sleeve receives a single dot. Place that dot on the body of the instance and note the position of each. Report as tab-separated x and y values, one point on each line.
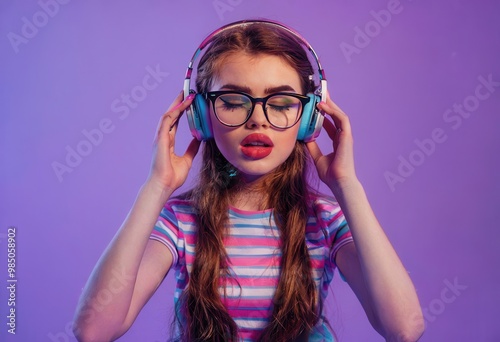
166	231
342	237
335	224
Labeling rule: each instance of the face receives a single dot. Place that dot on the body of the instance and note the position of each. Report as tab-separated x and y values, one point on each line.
255	148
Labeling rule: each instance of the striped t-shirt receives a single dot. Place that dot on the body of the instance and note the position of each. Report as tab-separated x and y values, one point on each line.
252	246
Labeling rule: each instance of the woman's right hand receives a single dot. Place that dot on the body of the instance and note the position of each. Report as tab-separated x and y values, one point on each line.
169	170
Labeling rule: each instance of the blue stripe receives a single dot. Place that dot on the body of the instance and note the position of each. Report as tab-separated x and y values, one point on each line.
246	236
249	308
249	215
252	319
252	256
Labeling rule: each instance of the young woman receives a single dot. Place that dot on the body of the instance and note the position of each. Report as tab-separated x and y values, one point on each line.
254	247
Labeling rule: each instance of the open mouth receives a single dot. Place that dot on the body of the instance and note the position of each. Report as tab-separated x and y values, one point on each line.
257	143
256	146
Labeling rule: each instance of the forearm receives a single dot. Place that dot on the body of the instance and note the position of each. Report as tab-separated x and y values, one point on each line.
392	294
106	298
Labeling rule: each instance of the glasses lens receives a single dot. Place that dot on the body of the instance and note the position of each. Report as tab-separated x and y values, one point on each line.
283	110
232	109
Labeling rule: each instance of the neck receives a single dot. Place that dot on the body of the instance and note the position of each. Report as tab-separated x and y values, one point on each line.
251	194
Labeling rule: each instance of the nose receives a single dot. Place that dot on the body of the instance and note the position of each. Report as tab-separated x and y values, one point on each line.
258	117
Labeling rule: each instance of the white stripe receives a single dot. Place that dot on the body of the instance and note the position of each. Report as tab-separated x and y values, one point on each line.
255	251
250	324
246	292
256	272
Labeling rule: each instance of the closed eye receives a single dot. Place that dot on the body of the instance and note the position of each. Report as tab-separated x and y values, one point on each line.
282	108
232	105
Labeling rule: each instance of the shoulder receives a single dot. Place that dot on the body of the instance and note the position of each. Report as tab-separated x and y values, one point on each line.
324	207
178	210
179	206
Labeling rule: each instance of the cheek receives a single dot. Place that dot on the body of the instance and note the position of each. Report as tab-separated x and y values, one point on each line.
288	142
226	141
223	142
290	135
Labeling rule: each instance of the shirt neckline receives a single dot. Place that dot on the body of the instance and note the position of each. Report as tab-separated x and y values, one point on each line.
249	212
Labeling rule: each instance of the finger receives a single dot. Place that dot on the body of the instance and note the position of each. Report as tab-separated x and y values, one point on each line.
174	104
340	119
192	150
330	128
176	112
330	110
314	150
164	125
168	121
177	100
331	107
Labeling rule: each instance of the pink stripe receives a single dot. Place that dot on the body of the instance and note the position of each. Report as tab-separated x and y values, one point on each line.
252	335
248	313
250	303
167	223
255	282
235	241
186	217
250	261
317	263
336	217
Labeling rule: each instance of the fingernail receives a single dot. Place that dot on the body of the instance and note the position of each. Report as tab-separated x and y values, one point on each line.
190	97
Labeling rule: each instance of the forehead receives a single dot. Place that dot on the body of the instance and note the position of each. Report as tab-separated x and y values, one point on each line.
256	72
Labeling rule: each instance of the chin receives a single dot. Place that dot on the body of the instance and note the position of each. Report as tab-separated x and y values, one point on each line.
255	172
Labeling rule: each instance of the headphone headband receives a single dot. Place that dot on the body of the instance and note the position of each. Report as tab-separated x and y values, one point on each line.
198	113
211	36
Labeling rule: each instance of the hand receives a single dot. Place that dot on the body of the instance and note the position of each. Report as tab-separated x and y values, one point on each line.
337	168
168	169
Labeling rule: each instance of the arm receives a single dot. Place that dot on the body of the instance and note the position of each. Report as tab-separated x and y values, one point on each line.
370	264
374	272
126	275
132	267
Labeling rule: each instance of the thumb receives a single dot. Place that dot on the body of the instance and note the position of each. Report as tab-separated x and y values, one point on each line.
192	149
314	150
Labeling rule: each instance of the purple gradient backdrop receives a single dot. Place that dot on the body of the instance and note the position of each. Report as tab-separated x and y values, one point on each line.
64	78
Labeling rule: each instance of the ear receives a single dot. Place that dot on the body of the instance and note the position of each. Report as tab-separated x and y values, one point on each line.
199	118
311	121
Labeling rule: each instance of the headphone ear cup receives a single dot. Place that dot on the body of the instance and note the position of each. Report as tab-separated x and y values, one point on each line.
199	118
311	121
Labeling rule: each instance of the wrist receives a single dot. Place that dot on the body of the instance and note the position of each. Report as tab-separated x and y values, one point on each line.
156	189
345	185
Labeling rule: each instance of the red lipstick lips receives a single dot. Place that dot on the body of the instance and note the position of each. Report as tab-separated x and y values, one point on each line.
256	146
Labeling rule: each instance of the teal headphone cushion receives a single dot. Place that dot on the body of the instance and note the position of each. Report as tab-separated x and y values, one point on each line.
309	118
202	125
201	118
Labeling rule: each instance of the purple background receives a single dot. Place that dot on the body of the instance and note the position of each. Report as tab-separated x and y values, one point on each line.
64	78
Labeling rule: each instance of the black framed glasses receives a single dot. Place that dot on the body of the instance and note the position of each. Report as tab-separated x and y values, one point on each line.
234	108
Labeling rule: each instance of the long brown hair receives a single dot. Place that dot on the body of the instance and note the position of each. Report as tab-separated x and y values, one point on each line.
296	303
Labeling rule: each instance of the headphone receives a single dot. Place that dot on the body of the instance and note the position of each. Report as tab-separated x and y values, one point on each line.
198	113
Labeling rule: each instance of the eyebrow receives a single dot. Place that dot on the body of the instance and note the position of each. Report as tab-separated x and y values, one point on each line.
269	90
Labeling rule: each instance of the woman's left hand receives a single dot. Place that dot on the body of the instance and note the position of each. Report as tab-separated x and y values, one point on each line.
337	167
